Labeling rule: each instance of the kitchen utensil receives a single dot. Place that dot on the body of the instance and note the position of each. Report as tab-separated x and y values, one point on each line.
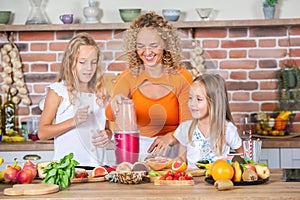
66	18
31	189
5	17
129	14
127	146
126	116
204	13
174	182
171	14
32	124
37	14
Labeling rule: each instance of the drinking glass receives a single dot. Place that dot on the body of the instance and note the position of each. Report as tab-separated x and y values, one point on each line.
246	128
204	13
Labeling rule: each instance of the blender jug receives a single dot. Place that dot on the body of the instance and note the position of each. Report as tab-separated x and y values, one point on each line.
126	135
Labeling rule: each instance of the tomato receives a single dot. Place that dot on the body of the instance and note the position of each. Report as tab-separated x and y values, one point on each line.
222	170
83	175
177	174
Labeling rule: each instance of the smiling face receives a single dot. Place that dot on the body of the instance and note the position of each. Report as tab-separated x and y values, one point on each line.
198	103
86	64
150	47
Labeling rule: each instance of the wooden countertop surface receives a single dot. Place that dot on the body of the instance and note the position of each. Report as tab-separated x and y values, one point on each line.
48	145
276	188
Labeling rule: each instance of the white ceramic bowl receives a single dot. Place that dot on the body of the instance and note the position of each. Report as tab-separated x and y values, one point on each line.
171	14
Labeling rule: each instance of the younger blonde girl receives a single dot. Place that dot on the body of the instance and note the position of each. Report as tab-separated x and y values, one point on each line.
211	133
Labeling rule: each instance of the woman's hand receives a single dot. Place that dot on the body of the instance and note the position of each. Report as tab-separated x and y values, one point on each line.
101	138
81	115
161	144
116	102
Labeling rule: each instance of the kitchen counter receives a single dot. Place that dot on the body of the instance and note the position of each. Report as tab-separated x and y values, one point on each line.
48	145
276	188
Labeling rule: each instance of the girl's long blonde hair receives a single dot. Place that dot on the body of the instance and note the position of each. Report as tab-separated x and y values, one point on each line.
68	73
172	53
218	108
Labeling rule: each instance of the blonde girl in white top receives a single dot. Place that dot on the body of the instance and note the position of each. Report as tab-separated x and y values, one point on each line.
73	112
211	133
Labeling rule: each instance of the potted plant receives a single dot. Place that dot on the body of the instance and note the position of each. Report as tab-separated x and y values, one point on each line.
269	8
289	87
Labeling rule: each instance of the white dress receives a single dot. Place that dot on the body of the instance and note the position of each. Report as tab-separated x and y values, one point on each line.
78	140
201	149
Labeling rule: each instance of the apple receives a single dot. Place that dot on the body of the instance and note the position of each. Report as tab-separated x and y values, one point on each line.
24	176
10	174
250	166
31	166
262	171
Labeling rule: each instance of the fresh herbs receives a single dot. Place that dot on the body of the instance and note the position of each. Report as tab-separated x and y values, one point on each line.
269	3
60	172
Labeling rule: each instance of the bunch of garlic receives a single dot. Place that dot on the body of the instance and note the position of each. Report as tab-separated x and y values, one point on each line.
197	60
12	74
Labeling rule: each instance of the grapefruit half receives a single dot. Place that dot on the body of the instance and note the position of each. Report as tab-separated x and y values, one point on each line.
158	163
99	172
179	166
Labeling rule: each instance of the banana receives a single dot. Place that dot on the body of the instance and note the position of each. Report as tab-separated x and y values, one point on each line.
1	160
14	138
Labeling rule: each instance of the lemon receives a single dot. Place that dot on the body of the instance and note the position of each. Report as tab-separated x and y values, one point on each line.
1	161
2	175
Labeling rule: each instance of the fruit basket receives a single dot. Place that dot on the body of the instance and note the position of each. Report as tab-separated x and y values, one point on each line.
273	124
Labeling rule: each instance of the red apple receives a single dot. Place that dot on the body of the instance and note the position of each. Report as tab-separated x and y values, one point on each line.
31	166
25	176
10	174
262	171
250	166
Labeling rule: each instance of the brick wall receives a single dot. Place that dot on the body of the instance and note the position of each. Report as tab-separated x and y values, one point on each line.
246	57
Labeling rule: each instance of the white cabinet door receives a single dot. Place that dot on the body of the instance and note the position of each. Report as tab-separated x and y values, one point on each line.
290	157
271	157
9	157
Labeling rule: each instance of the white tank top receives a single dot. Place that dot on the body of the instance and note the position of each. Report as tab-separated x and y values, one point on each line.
78	140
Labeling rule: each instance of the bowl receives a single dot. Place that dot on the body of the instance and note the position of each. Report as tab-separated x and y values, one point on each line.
129	14
204	13
4	17
171	14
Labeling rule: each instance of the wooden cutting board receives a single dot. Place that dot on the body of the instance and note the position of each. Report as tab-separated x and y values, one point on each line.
174	182
31	189
87	180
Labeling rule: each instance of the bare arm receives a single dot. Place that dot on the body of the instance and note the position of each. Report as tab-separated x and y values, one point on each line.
47	129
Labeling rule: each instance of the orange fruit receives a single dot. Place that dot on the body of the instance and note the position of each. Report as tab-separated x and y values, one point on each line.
98	172
221	170
179	166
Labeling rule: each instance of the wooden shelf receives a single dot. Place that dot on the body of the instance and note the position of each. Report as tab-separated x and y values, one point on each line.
180	24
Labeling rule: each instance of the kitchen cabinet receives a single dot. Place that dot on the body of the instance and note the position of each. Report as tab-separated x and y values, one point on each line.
40	156
281	157
270	157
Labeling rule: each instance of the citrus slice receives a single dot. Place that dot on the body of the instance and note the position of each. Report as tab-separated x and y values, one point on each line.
99	172
179	166
158	163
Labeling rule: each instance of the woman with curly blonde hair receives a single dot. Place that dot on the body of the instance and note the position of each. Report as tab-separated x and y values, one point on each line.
75	103
157	82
